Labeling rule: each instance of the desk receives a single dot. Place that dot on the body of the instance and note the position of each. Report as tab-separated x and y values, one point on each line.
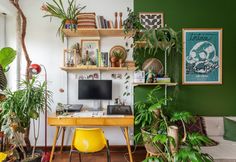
123	122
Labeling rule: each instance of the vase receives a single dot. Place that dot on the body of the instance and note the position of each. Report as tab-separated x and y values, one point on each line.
172	131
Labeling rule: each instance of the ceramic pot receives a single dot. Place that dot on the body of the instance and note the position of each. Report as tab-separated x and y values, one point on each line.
70	24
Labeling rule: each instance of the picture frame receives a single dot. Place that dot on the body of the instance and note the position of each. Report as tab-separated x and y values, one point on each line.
69	58
89	50
202	56
152	20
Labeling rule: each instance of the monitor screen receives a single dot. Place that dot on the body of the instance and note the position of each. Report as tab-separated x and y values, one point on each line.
95	89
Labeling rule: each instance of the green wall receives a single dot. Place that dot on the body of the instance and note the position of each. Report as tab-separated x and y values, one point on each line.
211	100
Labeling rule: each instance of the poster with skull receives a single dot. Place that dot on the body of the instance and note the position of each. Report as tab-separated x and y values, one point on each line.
202	56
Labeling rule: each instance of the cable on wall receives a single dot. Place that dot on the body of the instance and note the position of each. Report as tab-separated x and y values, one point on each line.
18	50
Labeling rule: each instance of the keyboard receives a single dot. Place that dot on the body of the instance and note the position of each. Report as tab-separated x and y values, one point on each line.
88	114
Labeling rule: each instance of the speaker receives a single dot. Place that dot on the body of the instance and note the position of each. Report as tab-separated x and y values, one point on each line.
119	110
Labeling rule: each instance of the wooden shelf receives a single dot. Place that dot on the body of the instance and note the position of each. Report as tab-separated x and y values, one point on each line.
140	43
154	84
95	33
70	69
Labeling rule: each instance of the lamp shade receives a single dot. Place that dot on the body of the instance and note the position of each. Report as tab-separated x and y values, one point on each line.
35	68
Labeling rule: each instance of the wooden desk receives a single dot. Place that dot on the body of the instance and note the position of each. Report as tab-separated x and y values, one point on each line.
123	122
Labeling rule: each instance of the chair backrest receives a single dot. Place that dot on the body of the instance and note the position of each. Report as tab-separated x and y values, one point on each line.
89	139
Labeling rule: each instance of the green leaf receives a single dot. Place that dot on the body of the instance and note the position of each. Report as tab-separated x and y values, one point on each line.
7	55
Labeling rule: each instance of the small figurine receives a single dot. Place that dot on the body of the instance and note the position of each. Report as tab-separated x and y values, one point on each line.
120	24
150	76
116	21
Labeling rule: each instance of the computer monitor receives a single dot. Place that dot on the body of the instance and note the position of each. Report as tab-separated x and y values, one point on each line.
95	89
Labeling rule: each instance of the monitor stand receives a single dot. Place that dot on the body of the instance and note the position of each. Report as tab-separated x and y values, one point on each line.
96	105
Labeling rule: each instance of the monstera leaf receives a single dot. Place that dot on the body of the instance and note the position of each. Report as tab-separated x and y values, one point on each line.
7	55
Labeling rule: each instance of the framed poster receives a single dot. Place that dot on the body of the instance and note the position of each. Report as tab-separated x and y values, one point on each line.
151	20
90	50
202	56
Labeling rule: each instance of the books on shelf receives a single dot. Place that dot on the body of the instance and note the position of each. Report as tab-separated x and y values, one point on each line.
102	59
103	23
163	80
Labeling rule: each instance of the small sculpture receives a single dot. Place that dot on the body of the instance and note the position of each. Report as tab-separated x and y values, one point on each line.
116	21
120	24
150	76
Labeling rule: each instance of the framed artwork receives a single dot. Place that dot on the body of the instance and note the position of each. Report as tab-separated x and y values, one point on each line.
90	50
151	20
202	56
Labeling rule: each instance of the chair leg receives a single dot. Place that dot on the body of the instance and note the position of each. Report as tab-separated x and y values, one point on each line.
80	157
108	152
70	155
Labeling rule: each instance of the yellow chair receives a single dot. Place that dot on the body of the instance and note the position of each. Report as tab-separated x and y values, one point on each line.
89	140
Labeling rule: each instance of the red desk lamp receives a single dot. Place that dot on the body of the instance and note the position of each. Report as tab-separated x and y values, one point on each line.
36	69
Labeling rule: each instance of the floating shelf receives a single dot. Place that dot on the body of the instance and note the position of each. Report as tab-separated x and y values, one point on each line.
69	69
154	84
95	33
140	43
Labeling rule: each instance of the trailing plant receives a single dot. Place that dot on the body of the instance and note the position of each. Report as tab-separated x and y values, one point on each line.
57	10
20	107
132	24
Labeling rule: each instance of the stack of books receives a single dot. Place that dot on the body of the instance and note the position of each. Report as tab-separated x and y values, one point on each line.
86	20
103	23
102	59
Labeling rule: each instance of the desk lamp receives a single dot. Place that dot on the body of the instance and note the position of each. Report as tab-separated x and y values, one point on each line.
35	69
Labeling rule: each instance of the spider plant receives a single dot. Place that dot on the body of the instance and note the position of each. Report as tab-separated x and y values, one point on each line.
57	10
20	107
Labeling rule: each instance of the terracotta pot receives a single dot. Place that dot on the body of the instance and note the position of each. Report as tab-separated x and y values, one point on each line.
113	61
70	24
121	62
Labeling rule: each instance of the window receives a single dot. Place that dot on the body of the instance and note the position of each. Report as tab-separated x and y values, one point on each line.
2	30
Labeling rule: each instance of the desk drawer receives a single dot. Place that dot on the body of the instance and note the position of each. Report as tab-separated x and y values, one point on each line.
61	121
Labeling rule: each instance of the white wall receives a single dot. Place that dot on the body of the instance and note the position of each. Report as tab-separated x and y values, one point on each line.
46	48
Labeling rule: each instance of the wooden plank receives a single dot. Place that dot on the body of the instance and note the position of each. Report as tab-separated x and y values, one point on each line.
97	68
153	84
95	33
91	121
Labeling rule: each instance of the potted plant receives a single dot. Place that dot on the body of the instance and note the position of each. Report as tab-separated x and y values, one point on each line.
147	116
68	17
164	38
160	133
18	109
